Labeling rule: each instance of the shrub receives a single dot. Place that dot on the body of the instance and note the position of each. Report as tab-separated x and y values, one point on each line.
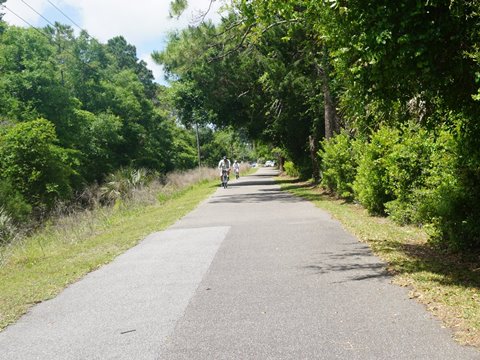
32	162
339	164
408	164
291	169
427	178
13	203
448	203
372	185
392	170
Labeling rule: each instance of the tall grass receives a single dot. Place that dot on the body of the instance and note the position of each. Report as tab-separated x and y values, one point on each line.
72	223
7	228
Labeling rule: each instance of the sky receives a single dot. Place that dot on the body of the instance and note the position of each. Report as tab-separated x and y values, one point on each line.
143	23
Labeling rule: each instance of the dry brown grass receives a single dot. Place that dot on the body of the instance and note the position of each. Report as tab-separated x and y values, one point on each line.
183	179
89	215
160	189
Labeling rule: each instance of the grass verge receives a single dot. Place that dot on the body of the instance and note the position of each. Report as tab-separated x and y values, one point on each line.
448	285
44	264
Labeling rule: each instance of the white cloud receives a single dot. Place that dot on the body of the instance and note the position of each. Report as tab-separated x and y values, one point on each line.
138	21
16	11
158	71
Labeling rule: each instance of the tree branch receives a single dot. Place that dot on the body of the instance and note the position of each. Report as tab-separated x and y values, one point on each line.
244	36
202	16
237	47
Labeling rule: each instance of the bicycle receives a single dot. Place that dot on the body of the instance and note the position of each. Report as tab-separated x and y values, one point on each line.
224	178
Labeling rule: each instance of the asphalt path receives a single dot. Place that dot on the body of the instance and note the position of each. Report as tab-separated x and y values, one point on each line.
252	273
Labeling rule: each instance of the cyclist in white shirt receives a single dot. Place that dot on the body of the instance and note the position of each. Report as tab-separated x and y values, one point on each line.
236	169
224	164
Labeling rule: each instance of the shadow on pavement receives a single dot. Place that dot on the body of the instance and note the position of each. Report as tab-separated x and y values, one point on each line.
350	263
251	183
255	198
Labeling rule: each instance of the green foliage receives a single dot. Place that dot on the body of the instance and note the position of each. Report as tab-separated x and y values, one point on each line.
408	164
177	7
392	167
32	162
184	152
102	100
13	205
290	169
102	137
448	203
418	176
389	50
262	151
214	144
266	91
372	185
28	77
339	164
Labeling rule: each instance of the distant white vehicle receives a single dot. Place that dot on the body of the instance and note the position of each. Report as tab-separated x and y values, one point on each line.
269	163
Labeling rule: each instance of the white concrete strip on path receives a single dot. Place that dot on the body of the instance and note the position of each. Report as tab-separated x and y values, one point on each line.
124	310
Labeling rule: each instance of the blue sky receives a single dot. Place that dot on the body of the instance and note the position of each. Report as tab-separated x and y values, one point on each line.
144	23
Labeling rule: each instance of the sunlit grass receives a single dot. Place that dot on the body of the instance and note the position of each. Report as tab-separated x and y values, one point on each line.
448	285
40	266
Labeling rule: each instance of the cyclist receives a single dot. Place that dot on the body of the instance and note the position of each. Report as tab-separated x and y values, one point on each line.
224	164
236	169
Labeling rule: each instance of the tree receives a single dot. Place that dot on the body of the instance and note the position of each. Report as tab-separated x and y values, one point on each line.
34	164
125	57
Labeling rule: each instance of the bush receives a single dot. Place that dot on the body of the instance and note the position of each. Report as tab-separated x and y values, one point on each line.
13	203
449	201
372	185
408	164
417	176
393	168
291	169
32	162
339	164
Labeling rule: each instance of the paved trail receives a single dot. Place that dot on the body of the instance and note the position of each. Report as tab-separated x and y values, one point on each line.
252	273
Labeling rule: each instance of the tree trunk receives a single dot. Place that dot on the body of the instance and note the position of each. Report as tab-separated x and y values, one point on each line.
281	163
312	140
198	143
332	124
